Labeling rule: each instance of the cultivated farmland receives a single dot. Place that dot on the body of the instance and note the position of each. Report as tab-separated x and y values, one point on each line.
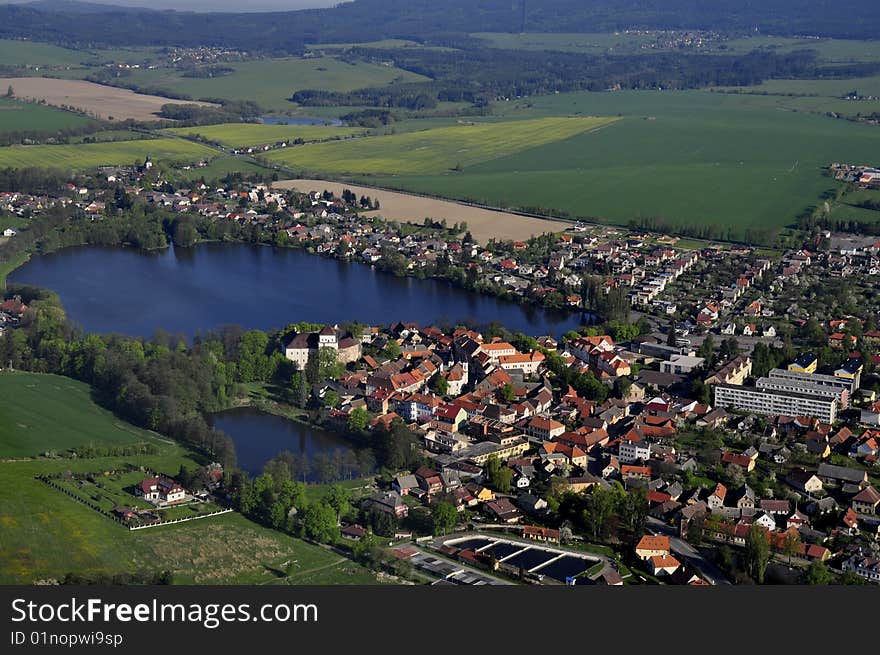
692	158
105	102
91	155
437	150
241	135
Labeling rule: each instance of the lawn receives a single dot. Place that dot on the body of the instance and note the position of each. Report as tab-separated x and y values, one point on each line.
49	412
91	155
271	82
18	116
689	157
436	150
241	135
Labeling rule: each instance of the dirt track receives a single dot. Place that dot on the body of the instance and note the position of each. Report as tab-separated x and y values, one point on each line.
484	224
94	99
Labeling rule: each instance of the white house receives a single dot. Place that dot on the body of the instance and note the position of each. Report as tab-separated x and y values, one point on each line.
766	521
9	232
161	490
633	451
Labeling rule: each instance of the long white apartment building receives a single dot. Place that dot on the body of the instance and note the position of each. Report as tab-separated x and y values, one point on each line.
772	402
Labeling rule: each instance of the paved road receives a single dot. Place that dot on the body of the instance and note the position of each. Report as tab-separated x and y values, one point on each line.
684	551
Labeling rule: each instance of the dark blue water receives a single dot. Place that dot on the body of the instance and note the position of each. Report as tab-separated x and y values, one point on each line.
299	120
259	437
186	290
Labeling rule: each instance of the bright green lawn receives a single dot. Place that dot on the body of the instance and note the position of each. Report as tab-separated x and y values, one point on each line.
435	150
91	155
18	116
49	412
240	135
271	82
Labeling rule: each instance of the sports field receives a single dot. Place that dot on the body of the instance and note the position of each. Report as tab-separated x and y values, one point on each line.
16	116
271	82
690	157
435	151
91	155
241	135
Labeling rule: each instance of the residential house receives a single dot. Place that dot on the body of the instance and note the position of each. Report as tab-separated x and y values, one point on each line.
652	546
866	501
389	502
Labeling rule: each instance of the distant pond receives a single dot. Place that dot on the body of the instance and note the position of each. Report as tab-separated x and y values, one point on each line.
185	290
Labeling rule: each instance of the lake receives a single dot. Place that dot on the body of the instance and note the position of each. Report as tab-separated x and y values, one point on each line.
185	290
259	437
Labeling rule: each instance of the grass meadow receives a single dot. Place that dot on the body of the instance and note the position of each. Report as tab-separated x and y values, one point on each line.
242	135
91	155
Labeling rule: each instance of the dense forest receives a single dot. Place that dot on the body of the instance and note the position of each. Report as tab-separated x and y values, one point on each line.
429	21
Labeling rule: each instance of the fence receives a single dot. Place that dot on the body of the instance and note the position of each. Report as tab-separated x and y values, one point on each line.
120	521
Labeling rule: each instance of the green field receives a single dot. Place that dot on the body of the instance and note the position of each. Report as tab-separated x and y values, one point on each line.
271	82
28	53
825	88
831	51
90	155
690	157
45	534
219	167
241	135
18	116
48	412
436	150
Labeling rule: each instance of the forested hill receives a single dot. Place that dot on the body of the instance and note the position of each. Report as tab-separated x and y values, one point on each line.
430	20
